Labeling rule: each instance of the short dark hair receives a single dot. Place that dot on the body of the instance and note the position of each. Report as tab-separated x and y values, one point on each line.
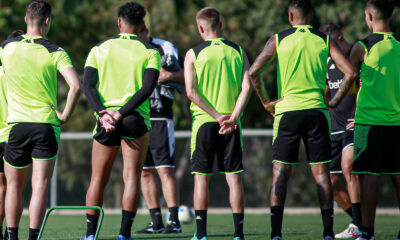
15	34
331	29
383	8
37	11
211	15
304	6
132	13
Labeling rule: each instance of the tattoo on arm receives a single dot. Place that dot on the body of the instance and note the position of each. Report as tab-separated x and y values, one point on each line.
262	61
342	91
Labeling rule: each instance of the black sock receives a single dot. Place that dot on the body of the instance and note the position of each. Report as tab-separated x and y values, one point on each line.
367	232
33	233
349	211
1	232
173	215
126	223
327	220
156	218
276	221
12	233
238	221
91	223
201	222
356	208
398	235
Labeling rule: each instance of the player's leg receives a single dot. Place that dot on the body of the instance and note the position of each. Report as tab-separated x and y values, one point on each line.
369	196
203	146
353	187
318	146
3	188
340	194
42	172
134	153
285	149
169	189
102	160
230	163
201	198
396	184
14	199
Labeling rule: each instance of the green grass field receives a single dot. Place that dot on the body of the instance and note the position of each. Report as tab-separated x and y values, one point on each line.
219	227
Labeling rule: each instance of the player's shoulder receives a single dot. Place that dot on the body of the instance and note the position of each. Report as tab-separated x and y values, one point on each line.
50	46
285	33
107	40
318	33
11	40
371	40
200	47
233	45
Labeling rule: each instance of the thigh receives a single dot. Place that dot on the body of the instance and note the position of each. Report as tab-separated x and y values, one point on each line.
231	152
204	149
316	137
102	160
286	142
18	148
133	154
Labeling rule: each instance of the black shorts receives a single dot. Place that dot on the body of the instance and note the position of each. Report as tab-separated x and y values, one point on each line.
27	141
2	146
161	145
129	127
340	141
207	144
312	126
376	150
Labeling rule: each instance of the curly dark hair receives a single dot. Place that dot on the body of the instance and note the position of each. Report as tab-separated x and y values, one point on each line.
304	6
132	13
383	8
15	34
37	11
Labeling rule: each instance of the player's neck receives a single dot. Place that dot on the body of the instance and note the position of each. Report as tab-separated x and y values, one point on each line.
211	35
296	22
34	32
380	26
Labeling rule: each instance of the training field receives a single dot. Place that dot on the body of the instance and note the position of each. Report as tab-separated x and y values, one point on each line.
220	226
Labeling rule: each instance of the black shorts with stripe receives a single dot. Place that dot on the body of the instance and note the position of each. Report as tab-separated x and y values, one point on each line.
31	141
311	126
340	141
161	144
208	144
376	150
129	127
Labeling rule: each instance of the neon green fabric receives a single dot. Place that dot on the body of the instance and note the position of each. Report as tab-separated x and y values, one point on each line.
121	62
30	65
302	67
378	101
3	107
218	69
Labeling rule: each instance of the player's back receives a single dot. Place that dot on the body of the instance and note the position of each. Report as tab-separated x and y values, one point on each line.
378	100
3	106
302	53
121	61
218	66
30	65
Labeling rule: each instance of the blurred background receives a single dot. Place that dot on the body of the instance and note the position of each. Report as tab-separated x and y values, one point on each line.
78	25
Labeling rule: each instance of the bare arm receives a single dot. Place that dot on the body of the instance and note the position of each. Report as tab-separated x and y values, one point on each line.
346	67
72	79
191	91
166	76
263	60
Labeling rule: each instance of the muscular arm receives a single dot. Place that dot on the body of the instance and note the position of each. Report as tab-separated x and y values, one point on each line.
346	67
263	60
191	91
72	79
166	76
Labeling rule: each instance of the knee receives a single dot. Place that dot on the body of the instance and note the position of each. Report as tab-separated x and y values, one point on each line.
166	173
148	173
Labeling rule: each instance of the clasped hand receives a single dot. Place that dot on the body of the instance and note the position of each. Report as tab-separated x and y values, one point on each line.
109	119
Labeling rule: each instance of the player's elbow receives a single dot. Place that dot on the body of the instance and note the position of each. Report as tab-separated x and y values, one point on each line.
352	75
76	89
190	94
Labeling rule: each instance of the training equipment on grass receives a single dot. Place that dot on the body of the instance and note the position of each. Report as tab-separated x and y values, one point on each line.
100	209
185	214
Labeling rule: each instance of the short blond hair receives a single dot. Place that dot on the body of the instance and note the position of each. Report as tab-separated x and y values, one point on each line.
210	15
